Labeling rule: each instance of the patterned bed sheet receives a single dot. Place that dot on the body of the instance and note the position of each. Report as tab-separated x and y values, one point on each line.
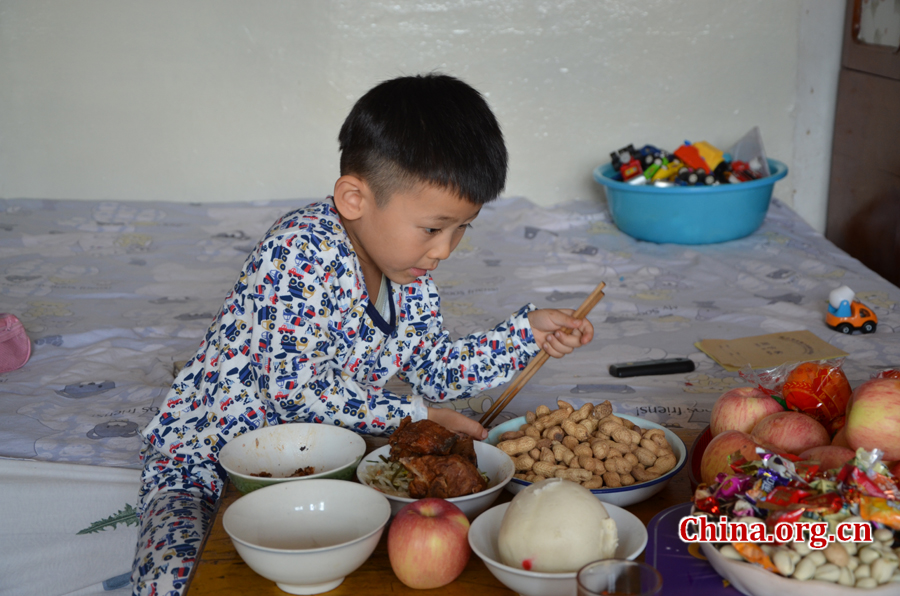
115	294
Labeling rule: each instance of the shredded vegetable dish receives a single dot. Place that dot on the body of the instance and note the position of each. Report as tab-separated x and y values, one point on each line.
389	477
392	478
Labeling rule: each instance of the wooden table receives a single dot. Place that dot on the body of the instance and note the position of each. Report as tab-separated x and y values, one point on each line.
221	571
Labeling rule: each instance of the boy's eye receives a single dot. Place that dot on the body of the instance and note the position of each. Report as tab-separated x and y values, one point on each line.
432	231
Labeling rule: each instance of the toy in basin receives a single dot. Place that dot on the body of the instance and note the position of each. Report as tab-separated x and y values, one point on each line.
273	454
689	214
307	536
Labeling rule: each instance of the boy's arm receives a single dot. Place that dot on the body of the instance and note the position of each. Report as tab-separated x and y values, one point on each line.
331	398
442	369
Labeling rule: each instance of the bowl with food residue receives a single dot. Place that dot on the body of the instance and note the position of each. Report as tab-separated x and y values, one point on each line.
425	460
291	452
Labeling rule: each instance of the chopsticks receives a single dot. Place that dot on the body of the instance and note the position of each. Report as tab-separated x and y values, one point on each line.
538	361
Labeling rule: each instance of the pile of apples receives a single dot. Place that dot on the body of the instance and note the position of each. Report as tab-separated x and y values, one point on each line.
827	421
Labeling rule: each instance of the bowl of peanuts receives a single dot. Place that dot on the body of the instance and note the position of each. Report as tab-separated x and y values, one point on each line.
621	459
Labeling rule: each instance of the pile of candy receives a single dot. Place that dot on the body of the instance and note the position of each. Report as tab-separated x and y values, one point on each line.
697	164
775	490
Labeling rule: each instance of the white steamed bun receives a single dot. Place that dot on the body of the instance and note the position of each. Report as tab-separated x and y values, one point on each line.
556	526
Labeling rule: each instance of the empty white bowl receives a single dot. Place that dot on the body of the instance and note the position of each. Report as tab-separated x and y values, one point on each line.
307	536
626	495
483	539
280	450
492	461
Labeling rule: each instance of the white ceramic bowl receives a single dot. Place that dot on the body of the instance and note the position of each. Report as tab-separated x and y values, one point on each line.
755	581
492	461
307	536
280	450
624	496
483	539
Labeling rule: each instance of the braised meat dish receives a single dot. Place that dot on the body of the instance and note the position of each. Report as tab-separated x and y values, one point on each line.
440	462
420	438
442	476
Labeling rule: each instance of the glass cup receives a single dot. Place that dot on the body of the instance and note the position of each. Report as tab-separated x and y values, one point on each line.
618	577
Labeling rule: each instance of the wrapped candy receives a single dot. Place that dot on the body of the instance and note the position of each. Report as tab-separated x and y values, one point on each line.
777	489
892	373
780	491
877	509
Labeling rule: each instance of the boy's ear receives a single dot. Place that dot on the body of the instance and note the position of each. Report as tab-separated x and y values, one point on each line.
352	196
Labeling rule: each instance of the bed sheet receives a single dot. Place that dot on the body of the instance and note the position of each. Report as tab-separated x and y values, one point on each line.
115	295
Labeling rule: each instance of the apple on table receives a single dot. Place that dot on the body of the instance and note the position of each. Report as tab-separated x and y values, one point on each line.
715	458
873	417
740	409
428	543
828	456
791	432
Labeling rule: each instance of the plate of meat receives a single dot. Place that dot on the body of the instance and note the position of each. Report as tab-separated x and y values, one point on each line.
424	459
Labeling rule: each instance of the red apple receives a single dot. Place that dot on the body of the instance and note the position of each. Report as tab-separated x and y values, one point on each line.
840	438
790	432
715	457
873	417
829	456
428	543
894	467
740	409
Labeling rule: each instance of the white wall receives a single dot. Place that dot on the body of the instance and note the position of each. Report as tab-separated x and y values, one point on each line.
224	100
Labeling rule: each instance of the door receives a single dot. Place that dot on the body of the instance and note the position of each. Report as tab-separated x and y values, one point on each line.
863	216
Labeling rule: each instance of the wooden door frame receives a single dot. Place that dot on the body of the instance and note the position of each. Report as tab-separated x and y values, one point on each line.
879	60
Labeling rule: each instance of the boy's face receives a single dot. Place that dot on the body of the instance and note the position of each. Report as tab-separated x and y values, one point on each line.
410	234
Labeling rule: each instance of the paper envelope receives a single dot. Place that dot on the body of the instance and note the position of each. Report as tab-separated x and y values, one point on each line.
768	351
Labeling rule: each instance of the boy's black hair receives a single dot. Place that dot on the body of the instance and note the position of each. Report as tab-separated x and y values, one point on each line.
432	129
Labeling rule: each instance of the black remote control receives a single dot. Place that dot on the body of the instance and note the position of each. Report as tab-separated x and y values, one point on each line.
667	366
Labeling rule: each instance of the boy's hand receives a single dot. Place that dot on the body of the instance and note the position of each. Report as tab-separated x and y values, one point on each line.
453	420
548	325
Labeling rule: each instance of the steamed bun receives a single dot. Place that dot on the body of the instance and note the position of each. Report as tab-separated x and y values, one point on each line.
556	526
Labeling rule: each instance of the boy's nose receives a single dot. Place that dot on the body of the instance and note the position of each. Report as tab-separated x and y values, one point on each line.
441	250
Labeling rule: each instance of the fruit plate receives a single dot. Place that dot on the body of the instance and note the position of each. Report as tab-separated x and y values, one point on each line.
626	495
695	456
753	580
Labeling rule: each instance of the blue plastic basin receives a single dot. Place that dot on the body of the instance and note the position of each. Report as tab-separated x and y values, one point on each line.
689	214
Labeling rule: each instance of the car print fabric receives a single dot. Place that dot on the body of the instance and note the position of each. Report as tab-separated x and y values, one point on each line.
298	341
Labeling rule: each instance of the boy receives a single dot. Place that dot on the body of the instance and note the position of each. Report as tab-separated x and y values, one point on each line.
335	300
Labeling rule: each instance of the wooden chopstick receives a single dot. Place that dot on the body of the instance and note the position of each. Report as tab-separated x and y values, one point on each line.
538	361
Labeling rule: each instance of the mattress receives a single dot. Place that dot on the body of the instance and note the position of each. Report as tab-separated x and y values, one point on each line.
115	295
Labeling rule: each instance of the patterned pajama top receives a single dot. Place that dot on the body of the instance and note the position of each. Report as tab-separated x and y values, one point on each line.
297	340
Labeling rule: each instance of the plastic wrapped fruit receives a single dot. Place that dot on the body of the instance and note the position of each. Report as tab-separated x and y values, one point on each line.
820	390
